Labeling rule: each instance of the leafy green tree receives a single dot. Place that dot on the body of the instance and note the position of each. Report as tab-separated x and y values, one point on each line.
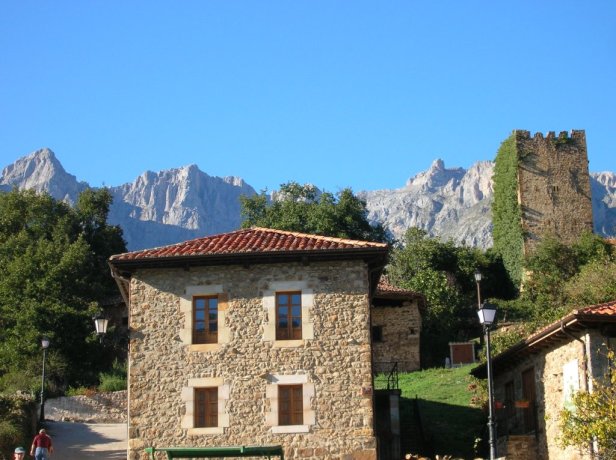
595	283
444	274
563	276
301	208
592	417
52	272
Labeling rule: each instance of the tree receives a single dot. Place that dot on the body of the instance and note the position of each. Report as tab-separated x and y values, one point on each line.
52	271
443	273
301	208
563	276
592	417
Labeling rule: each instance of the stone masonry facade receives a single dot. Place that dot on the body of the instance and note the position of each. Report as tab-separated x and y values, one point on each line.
553	186
400	328
557	372
332	361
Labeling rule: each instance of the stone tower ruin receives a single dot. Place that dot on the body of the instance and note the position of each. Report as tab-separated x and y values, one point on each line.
553	186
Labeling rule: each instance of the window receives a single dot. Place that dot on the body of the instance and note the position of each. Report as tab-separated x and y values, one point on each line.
377	333
205	309
290	405
291	399
206	407
288	320
288	315
205	319
205	402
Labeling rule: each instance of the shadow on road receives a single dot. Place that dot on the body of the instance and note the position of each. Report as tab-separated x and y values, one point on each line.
81	441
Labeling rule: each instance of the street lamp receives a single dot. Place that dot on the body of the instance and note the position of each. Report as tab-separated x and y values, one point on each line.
45	344
100	324
478	281
487	314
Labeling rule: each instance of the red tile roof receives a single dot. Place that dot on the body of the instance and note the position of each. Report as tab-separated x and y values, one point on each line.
600	310
386	289
249	241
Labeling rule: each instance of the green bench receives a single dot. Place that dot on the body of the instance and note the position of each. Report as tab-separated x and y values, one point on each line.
201	452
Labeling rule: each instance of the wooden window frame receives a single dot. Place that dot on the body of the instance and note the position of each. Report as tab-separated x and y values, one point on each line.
207	335
289	332
206	407
290	405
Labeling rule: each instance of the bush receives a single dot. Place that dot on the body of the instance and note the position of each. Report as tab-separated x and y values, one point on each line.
590	417
10	435
18	422
20	381
111	382
114	380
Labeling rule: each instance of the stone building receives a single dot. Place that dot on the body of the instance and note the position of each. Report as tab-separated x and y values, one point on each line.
553	186
253	337
534	381
396	327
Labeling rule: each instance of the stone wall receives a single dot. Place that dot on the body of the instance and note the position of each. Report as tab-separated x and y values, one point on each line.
401	327
97	408
553	186
556	370
336	364
521	447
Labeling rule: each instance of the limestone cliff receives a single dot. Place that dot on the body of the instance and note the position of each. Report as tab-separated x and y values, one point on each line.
165	207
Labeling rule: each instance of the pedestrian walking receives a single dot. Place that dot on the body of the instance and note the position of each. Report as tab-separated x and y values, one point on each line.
42	446
20	453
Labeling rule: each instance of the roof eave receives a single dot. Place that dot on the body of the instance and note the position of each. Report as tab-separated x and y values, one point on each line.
530	344
376	256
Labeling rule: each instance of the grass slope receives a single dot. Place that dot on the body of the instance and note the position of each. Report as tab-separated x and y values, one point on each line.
450	423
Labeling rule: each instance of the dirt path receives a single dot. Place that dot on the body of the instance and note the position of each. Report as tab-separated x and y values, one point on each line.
82	441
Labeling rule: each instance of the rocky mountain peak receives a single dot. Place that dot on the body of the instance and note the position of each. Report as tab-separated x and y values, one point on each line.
41	171
173	205
435	177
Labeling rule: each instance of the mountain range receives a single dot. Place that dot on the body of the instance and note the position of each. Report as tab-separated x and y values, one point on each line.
169	206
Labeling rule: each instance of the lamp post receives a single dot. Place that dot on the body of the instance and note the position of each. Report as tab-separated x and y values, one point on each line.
45	344
478	282
487	314
100	324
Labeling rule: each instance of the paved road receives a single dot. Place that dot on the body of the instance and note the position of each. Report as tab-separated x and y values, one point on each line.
82	441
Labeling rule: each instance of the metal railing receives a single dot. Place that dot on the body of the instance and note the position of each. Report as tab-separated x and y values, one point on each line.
386	375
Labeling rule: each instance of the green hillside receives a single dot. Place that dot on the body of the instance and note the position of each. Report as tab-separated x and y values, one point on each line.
450	424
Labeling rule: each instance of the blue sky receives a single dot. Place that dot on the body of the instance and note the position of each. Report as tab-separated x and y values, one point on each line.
337	93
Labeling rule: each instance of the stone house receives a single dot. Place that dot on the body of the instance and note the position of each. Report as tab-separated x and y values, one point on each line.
255	337
534	381
396	327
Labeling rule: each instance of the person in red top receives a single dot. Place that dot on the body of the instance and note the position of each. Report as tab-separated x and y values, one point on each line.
42	447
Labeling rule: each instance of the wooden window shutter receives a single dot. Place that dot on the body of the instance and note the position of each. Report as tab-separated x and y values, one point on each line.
290	405
206	407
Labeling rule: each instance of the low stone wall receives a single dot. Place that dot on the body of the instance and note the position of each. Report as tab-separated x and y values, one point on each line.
98	408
